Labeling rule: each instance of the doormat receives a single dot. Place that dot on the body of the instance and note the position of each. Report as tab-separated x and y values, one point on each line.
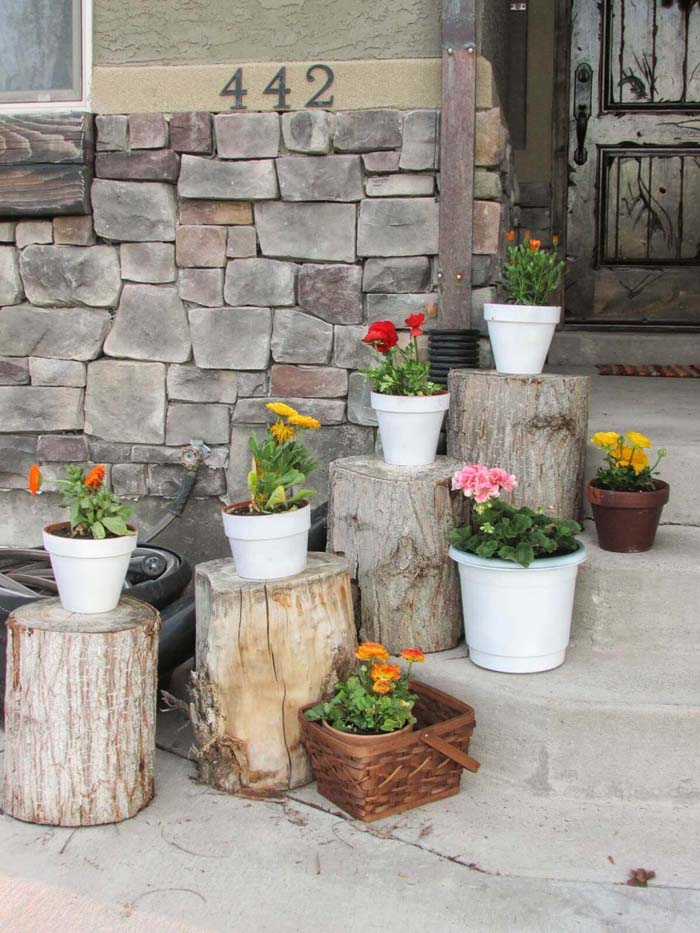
692	371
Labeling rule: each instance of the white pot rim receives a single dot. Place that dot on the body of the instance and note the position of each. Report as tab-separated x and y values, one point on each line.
414	404
258	527
540	563
87	547
522	314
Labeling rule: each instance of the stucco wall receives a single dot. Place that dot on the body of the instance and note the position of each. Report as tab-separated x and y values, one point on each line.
200	31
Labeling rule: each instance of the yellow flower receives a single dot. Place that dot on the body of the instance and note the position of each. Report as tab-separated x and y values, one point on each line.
304	421
279	408
282	432
632	456
639	440
605	439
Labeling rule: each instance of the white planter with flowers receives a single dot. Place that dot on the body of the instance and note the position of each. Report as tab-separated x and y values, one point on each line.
521	330
89	554
410	409
269	533
517	570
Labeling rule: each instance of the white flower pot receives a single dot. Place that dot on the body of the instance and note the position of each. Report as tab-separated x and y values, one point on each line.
268	547
518	619
89	572
521	336
409	426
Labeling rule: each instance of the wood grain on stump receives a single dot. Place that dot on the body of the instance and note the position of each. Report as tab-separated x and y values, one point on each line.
392	523
265	649
533	426
80	706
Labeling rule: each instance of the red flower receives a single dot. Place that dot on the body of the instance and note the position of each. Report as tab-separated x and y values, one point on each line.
382	335
414	321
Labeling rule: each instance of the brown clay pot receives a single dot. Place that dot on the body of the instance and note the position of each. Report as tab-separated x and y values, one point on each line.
356	739
626	522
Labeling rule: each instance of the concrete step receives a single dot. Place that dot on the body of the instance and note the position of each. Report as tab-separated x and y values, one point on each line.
582	348
612	725
649	600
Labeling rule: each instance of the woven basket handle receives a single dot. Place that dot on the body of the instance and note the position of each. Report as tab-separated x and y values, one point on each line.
449	751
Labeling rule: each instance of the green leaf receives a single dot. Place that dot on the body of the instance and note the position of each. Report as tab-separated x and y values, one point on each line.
278	498
98	530
116	525
524	554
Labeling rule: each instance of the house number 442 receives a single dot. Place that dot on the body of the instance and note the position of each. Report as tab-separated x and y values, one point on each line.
277	87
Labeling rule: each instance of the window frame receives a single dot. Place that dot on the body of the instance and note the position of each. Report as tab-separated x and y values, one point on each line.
82	103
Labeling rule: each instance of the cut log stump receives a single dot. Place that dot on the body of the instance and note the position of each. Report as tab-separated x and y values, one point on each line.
80	709
533	426
392	523
265	649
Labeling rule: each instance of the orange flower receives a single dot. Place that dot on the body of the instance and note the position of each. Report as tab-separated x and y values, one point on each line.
535	244
382	687
555	240
413	654
95	477
510	236
372	651
388	672
34	479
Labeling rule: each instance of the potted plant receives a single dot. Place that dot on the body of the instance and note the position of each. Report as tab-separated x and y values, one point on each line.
521	330
410	409
366	755
517	569
626	499
269	532
90	553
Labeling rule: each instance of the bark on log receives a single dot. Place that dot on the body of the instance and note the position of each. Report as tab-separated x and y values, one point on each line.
533	426
392	525
265	649
80	708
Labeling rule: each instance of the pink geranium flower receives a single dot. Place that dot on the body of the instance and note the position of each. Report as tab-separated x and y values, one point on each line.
482	483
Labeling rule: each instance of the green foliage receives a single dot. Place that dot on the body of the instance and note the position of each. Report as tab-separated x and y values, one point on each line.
276	469
93	510
400	372
499	530
531	275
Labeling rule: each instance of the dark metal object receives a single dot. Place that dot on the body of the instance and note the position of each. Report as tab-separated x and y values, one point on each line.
583	97
457	161
316	100
516	100
234	88
278	86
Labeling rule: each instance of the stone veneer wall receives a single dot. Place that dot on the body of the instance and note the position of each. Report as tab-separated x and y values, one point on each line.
229	260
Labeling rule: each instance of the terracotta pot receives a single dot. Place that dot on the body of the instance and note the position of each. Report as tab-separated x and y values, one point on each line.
626	522
356	739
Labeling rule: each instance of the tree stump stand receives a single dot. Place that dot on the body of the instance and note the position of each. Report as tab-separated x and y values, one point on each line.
265	649
392	523
533	426
80	710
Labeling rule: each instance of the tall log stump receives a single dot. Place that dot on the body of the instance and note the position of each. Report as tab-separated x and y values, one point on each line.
392	525
533	426
80	710
265	649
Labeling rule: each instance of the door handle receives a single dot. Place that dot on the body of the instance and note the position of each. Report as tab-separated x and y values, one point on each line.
583	100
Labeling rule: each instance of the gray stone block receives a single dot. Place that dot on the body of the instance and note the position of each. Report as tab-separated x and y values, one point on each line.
137	211
63	448
367	130
14	371
391	275
7	231
59	333
300	338
404	184
17	453
201	245
260	282
398	227
360	409
325	410
308	131
380	162
202	287
190	132
129	479
247	135
109	452
28	232
308	381
112	132
148	131
232	181
125	401
348	350
73	231
46	372
396	308
320	178
62	276
221	213
241	243
191	384
483	269
40	408
421	140
151	263
185	423
166	480
231	338
252	385
480	296
321	232
156	165
332	292
487	185
10	282
151	324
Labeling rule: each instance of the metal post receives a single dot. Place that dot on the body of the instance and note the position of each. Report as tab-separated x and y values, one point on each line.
457	162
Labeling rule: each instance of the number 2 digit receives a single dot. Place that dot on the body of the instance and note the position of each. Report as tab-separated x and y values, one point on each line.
316	101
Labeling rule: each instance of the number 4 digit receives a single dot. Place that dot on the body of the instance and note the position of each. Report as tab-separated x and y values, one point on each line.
234	88
278	86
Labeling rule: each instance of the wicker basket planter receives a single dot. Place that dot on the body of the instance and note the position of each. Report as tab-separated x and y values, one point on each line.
389	774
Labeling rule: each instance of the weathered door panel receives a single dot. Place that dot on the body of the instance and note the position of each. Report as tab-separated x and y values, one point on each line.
633	234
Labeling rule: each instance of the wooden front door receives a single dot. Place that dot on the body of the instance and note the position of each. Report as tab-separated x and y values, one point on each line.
633	227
